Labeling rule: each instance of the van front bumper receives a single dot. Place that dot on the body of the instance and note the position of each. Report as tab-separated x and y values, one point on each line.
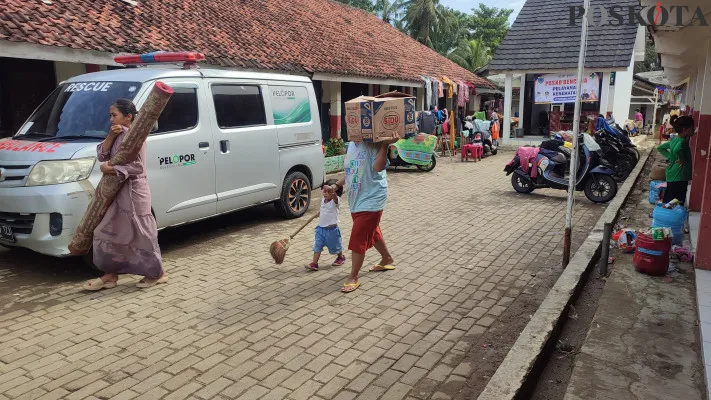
30	210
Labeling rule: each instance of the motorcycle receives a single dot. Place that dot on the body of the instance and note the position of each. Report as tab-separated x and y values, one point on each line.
593	177
415	151
613	151
610	127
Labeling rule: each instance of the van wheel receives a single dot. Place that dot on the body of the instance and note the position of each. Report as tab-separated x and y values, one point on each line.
295	195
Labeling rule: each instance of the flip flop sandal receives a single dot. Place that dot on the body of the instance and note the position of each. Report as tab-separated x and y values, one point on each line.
97	284
150	283
381	268
350	287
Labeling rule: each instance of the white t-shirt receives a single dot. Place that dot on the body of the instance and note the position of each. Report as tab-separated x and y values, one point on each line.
329	213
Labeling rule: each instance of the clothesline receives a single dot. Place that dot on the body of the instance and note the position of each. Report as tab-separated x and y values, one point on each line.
435	90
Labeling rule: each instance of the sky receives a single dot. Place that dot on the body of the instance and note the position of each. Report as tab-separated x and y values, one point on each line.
467	5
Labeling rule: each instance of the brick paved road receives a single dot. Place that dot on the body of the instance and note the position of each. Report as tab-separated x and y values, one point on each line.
231	324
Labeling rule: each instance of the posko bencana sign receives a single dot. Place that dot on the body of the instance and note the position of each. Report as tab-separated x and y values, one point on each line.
560	88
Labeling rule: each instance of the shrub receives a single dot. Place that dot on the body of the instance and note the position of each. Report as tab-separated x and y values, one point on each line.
335	147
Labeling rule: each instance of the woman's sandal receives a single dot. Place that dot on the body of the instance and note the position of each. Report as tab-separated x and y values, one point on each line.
98	284
146	283
350	287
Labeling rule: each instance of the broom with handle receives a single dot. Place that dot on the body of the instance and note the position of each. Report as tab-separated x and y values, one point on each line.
278	249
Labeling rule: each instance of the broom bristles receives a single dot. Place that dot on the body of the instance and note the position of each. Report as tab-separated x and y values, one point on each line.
278	250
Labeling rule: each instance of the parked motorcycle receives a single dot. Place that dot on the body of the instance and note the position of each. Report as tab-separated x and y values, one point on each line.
594	178
416	151
610	127
613	151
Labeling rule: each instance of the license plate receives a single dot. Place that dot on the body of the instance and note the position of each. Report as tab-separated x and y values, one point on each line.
6	234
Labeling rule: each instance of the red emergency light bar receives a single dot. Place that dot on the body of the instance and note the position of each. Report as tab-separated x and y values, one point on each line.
187	57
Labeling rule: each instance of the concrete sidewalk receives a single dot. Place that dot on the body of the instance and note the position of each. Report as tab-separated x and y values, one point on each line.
643	342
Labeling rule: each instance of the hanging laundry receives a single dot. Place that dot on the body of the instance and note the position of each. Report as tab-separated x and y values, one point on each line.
440	89
436	86
428	92
449	86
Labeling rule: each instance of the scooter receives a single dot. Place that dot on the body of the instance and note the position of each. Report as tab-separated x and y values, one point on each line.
592	177
614	130
613	150
416	151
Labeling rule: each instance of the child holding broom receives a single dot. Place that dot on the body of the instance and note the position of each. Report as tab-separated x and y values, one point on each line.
327	232
367	187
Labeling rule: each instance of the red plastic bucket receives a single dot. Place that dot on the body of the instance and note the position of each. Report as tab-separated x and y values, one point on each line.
652	256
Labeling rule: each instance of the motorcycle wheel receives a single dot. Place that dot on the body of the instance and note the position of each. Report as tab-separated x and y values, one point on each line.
429	167
600	188
637	154
520	185
494	151
623	168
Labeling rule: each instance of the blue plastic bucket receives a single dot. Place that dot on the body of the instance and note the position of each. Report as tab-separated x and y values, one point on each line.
674	218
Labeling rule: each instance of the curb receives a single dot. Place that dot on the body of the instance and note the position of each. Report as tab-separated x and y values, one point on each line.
511	378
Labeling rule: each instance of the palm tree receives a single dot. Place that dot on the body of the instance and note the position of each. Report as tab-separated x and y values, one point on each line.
471	54
389	10
447	33
423	16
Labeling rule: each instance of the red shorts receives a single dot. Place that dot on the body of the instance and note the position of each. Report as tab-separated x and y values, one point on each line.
366	231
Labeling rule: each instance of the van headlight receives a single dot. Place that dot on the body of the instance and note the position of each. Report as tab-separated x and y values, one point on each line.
64	171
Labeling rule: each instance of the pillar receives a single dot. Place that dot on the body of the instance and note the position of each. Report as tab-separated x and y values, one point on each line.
384	89
335	111
700	141
522	100
605	94
623	94
508	93
702	167
370	90
420	102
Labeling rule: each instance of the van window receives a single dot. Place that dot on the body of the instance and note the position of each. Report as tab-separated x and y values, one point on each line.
238	106
290	104
181	112
79	109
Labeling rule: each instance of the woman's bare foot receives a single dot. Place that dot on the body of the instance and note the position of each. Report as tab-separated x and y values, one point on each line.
147	282
387	261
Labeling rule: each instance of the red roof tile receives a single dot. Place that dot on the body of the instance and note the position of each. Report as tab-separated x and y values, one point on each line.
297	35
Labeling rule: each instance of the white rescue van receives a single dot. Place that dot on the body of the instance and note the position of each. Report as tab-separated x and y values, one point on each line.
227	140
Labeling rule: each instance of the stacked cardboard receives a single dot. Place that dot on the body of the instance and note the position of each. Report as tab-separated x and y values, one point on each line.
379	118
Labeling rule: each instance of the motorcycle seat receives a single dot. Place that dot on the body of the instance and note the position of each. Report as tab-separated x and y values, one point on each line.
559	158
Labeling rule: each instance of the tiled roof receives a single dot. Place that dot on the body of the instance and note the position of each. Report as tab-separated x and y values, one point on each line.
542	39
313	36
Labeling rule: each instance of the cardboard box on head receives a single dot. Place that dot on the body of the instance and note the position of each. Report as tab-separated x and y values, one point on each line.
375	119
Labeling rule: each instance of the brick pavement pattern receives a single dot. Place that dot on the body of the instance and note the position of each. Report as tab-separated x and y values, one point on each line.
231	324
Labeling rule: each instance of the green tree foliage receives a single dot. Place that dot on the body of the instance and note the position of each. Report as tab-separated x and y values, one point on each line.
470	40
389	11
489	25
651	59
470	54
366	5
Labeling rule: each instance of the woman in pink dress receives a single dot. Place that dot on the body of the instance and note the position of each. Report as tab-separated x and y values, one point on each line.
126	240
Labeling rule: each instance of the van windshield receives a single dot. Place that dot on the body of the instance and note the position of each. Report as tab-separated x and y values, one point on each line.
78	110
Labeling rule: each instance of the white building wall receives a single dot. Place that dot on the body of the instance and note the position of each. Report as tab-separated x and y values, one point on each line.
65	70
622	96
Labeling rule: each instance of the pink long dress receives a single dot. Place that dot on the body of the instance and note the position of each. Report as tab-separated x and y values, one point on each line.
126	240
